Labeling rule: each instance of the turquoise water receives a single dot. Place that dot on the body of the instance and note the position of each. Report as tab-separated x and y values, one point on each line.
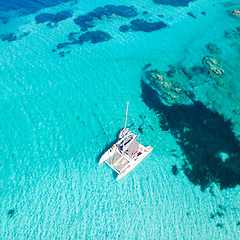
58	114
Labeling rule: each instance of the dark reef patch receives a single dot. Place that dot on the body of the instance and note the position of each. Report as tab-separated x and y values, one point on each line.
203	13
140	129
232	33
142	25
220	214
63	54
11	213
234	36
124	28
174	3
88	20
91	36
10	37
212	215
203	136
238	223
217	214
191	15
222	207
211	191
73	36
175	170
213	49
151	127
53	19
220	225
197	69
44	17
146	66
4	20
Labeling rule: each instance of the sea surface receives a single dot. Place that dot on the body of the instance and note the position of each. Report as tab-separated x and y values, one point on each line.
67	69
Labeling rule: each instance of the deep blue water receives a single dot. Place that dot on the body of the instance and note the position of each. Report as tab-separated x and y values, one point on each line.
28	6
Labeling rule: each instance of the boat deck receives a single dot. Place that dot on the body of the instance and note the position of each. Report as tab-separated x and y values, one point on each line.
120	162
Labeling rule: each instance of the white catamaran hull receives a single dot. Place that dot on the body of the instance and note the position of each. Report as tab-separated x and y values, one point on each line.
111	151
108	154
133	164
126	153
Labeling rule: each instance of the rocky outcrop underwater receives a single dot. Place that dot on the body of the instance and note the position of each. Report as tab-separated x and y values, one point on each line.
206	137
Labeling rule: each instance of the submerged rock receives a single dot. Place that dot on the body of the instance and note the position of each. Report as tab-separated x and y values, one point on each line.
10	37
89	20
90	36
220	225
208	134
232	33
171	84
212	66
143	26
124	28
63	54
53	19
236	13
175	170
191	15
4	20
11	213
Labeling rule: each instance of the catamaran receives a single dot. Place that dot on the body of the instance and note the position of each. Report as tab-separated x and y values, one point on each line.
126	153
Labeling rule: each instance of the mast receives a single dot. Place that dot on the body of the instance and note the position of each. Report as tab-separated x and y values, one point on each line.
126	115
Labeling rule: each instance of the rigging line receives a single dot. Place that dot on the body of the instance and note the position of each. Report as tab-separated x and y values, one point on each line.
131	115
96	117
123	123
100	124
